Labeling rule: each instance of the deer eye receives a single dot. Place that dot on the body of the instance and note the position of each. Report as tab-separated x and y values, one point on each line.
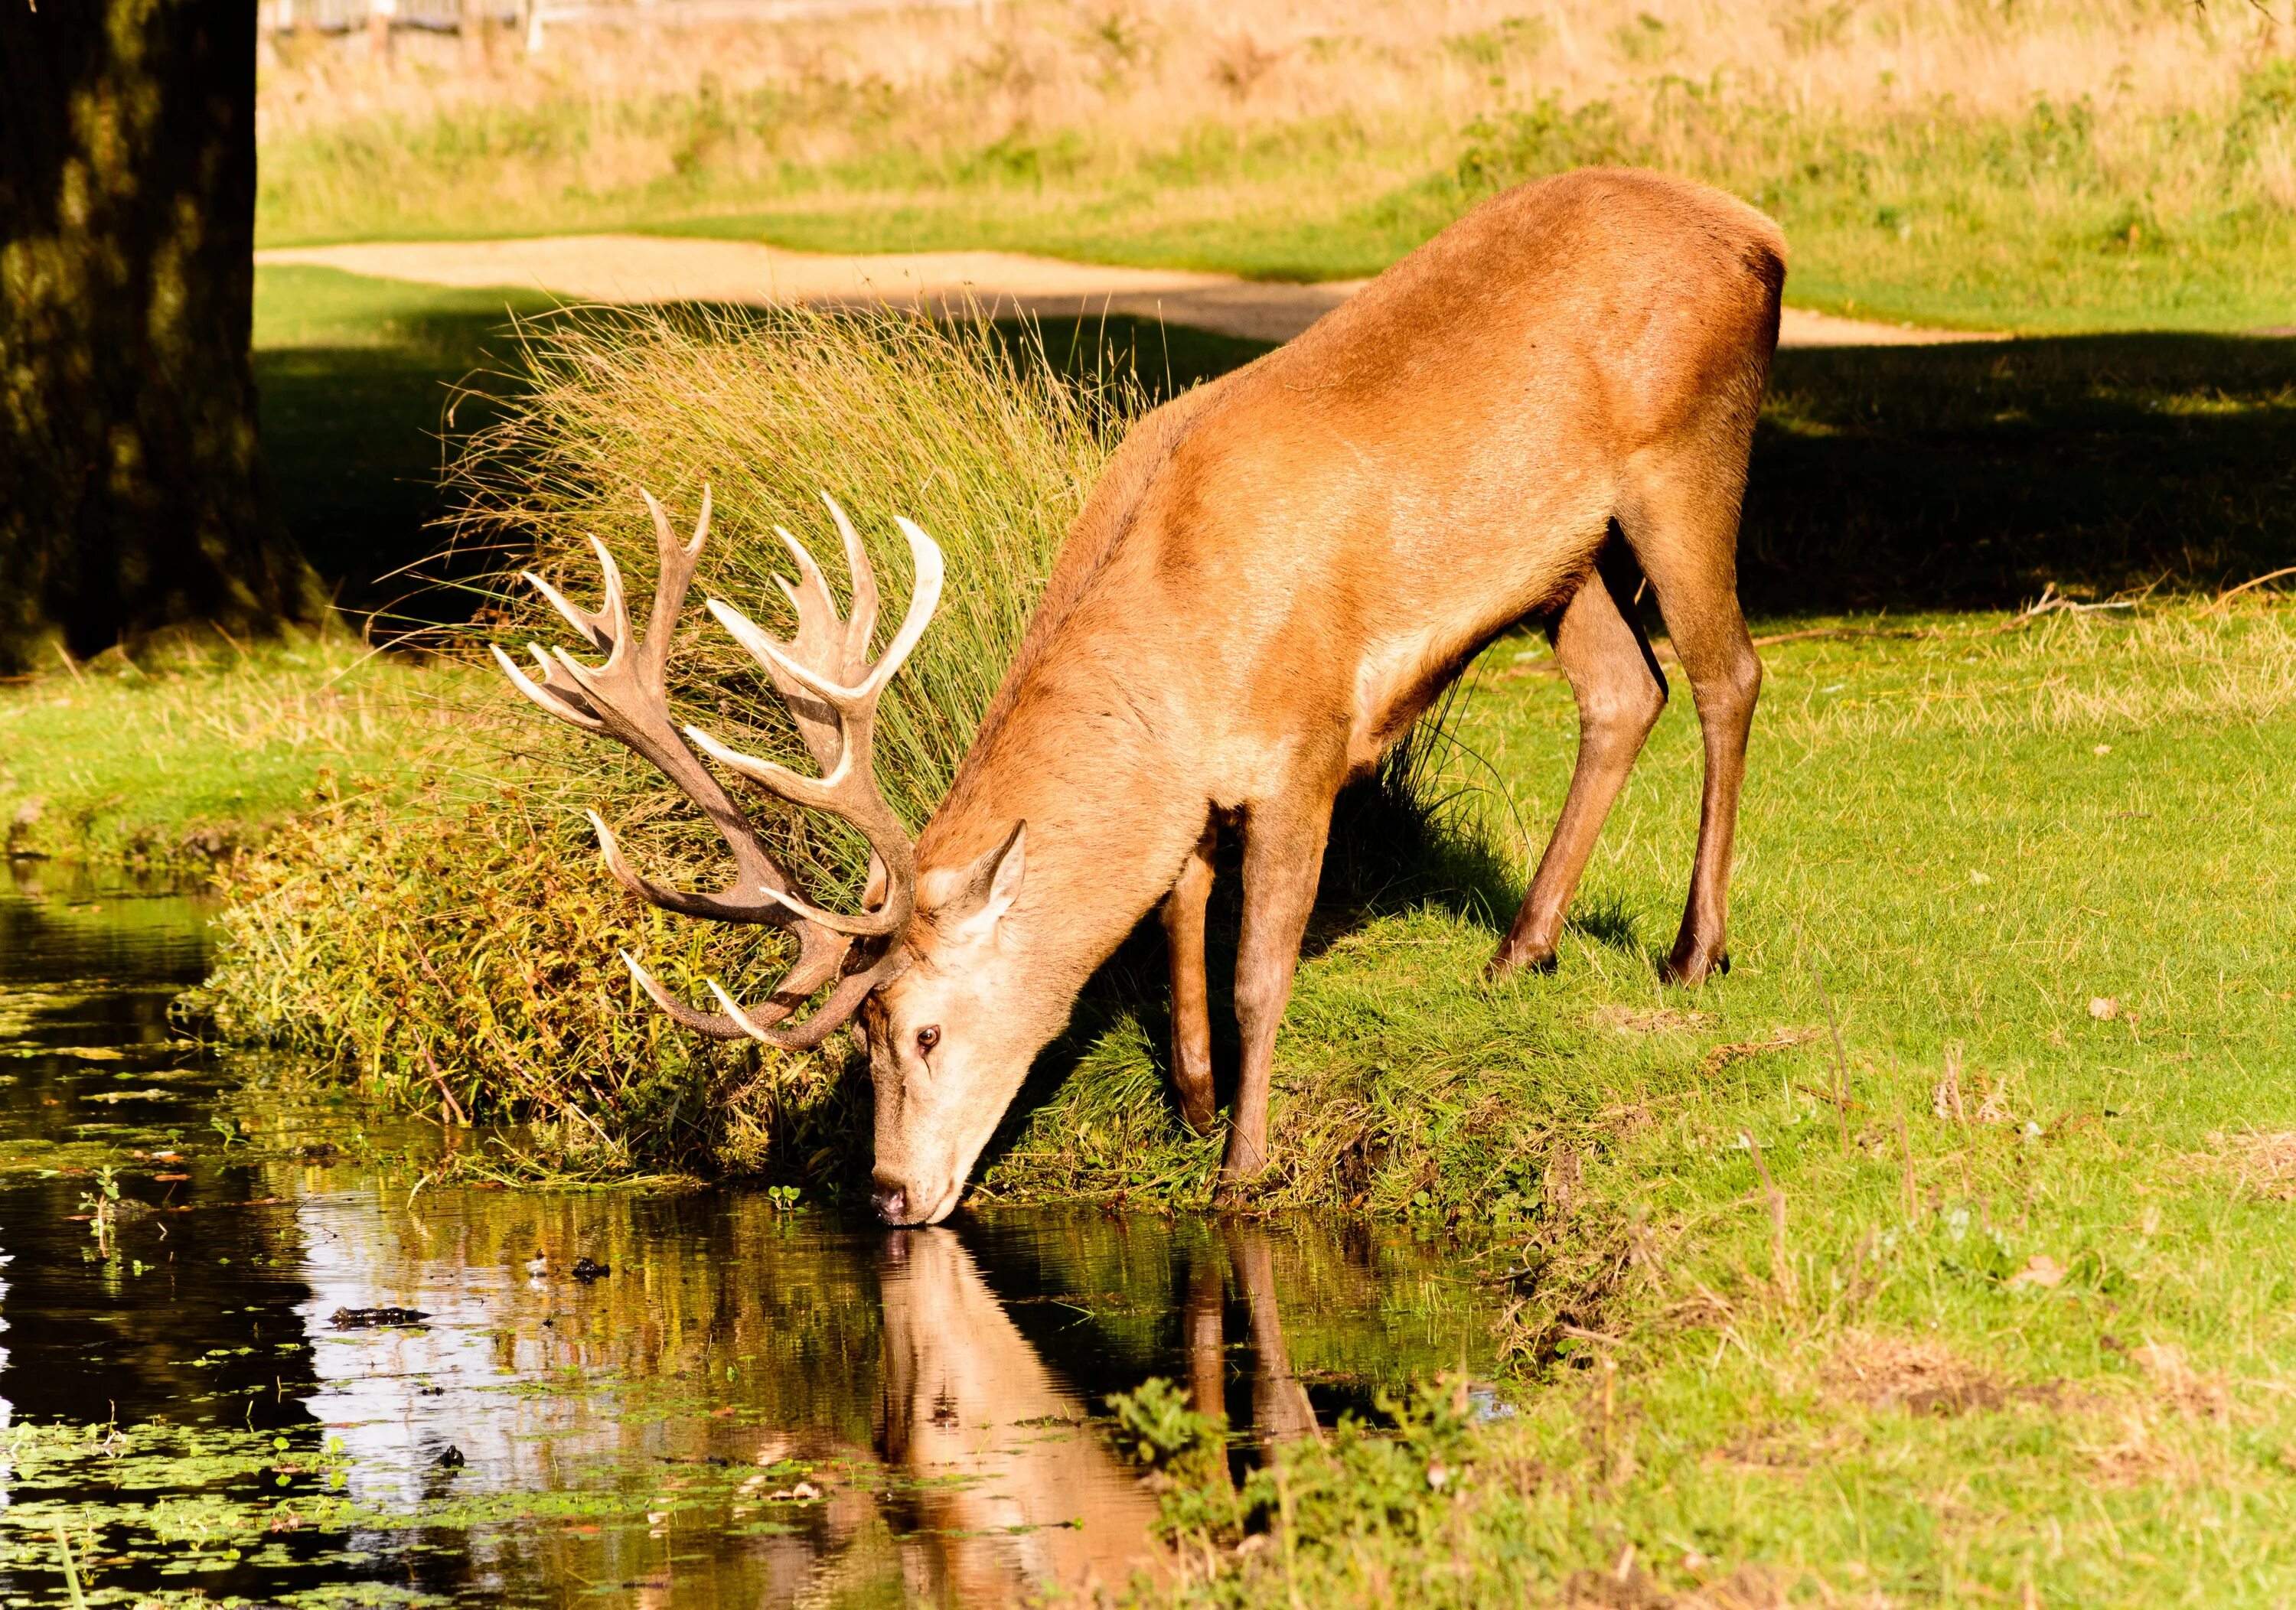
928	1037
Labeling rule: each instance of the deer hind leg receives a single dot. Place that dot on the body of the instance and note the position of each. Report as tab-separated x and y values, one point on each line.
1620	694
1282	858
1192	1013
1682	521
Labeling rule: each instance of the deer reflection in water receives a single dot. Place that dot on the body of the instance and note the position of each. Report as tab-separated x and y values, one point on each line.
1035	1496
933	1387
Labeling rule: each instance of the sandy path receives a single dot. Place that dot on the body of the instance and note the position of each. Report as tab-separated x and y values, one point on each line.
653	268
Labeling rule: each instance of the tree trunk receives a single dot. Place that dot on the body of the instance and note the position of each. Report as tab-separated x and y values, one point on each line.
131	494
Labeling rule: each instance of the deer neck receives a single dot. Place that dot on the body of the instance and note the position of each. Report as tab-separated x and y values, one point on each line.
1111	814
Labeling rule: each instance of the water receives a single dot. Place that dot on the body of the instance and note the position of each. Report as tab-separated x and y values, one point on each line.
755	1404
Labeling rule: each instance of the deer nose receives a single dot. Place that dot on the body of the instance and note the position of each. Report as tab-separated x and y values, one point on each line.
891	1203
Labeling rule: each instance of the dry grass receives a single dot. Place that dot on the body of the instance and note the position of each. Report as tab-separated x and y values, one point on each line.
1162	66
2263	1165
1919	1375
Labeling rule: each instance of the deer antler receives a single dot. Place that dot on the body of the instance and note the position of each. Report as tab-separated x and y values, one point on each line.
824	676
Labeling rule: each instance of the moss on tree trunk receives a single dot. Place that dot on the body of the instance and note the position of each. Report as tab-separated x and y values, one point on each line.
131	494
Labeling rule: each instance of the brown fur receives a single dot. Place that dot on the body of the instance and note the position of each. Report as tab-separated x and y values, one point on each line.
1549	402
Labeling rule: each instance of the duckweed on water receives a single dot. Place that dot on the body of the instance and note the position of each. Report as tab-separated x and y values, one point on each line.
166	1501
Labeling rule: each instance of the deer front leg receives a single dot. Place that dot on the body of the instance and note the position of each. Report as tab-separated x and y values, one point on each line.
1282	858
1191	1010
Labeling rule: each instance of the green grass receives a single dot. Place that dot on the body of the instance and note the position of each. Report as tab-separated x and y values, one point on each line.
200	747
1968	844
2070	215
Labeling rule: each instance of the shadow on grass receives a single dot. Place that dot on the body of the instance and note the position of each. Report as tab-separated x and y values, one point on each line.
1968	477
365	384
361	382
1915	478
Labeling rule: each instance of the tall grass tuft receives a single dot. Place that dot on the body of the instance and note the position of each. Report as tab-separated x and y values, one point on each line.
459	953
984	444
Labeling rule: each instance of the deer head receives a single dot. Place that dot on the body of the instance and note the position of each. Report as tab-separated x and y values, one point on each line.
922	964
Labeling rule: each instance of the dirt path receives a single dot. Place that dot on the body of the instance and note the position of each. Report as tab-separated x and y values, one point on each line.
654	268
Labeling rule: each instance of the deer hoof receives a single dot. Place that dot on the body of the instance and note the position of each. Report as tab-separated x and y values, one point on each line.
1694	967
1539	960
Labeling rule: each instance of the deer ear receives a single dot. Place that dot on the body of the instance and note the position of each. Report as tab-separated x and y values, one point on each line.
987	889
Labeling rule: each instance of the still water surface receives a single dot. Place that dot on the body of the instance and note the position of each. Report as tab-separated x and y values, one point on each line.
751	1405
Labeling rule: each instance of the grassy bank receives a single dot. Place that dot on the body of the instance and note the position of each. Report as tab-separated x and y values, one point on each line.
197	750
1989	1307
2071	165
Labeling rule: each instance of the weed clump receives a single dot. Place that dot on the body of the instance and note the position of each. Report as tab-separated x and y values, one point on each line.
458	949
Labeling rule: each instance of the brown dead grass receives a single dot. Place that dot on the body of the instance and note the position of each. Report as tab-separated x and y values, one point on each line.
2150	1430
1627	1586
1878	1370
1737	1050
2262	1164
1648	1020
1922	1377
1151	67
2178	1386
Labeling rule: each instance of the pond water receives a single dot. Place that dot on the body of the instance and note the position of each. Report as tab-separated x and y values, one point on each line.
733	1399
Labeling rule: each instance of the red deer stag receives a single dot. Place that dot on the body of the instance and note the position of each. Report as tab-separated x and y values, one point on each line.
1547	403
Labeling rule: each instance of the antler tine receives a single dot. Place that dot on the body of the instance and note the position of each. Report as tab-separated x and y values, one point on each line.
816	605
850	700
566	704
678	564
595	626
863	621
623	699
818	963
844	1000
833	690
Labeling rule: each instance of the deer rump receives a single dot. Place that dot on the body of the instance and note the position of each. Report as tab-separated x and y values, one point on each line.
1544	408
